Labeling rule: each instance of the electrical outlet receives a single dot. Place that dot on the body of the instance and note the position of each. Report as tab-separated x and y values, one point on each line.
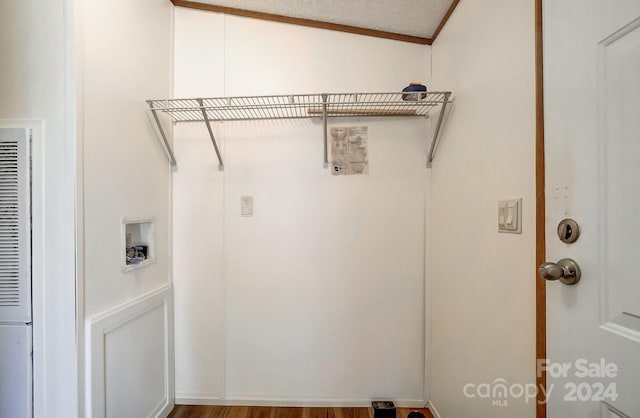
246	206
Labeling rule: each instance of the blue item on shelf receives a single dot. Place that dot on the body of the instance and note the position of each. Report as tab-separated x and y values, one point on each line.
136	260
415	87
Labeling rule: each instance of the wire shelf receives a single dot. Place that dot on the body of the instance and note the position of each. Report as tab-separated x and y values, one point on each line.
300	106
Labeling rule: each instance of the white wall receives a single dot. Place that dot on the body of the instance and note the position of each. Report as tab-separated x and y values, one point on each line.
483	283
318	298
37	83
126	58
126	173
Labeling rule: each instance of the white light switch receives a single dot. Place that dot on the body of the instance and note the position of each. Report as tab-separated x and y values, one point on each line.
510	216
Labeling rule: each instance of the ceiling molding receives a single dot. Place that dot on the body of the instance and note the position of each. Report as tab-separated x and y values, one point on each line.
445	19
313	23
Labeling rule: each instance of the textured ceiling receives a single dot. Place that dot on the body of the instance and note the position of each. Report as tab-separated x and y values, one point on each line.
408	17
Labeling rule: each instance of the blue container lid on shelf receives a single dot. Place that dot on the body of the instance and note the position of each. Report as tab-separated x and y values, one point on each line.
414	87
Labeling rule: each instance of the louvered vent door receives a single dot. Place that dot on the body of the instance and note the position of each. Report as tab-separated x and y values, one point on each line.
15	226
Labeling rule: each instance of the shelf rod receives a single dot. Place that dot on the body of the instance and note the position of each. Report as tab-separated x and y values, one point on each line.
434	141
324	122
167	147
213	138
363	112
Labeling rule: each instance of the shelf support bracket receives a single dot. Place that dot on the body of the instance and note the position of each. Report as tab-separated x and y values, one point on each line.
165	142
213	138
436	133
324	123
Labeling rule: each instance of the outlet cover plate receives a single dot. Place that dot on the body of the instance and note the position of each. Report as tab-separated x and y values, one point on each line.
246	206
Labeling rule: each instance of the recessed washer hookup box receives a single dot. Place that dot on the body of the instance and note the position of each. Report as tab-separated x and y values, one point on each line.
383	409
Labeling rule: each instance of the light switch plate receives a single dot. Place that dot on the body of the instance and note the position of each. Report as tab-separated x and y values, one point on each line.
510	216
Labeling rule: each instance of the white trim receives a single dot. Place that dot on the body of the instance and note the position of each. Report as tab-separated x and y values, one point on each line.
622	331
36	128
74	246
75	70
100	325
433	410
607	321
185	399
611	410
172	374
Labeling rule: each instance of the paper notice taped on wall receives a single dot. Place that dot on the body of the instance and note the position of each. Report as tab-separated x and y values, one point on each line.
349	151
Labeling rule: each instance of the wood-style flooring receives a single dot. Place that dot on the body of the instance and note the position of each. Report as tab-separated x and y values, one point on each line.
195	411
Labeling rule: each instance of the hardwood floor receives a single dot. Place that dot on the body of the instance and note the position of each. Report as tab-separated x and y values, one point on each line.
196	411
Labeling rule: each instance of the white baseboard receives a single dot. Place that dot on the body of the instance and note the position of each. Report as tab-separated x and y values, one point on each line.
410	403
135	337
433	410
163	409
200	400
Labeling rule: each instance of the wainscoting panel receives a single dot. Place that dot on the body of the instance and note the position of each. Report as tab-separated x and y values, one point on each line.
130	358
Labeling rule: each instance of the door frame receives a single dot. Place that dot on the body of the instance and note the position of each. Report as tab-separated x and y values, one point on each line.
541	291
35	128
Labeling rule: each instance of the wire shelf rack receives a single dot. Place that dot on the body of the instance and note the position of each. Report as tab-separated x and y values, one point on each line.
299	106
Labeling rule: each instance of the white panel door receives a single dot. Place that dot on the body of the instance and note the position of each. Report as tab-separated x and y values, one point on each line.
15	226
592	155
